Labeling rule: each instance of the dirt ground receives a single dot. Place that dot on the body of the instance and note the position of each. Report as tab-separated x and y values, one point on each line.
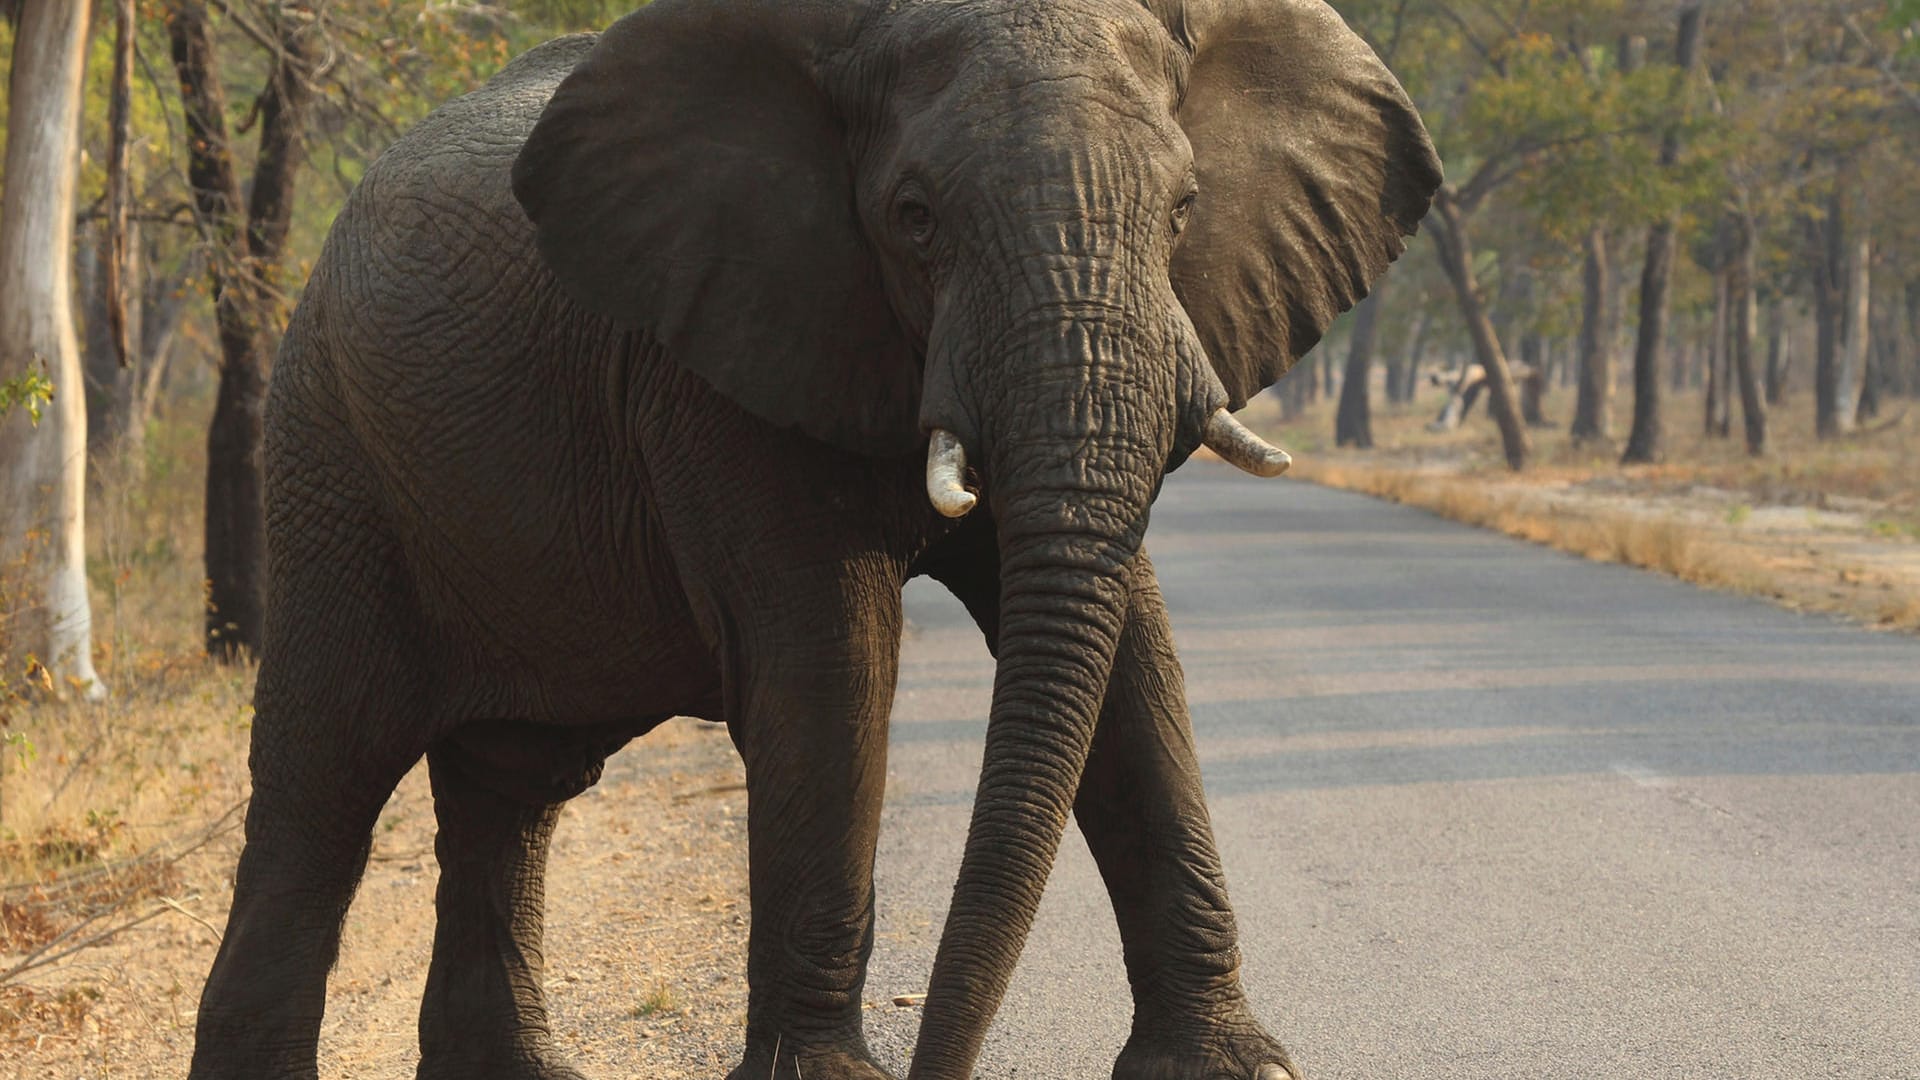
1818	525
646	935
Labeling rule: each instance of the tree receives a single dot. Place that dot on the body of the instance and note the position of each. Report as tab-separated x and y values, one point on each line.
1753	401
245	269
1448	226
42	490
1514	97
1645	444
1611	184
1353	423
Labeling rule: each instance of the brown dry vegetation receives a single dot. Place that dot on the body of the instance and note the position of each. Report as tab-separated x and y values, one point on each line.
1821	525
108	811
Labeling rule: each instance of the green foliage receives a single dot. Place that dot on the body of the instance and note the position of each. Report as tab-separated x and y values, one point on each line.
30	391
1550	117
1903	19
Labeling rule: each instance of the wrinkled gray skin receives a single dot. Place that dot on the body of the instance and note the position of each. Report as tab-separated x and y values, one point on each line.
629	423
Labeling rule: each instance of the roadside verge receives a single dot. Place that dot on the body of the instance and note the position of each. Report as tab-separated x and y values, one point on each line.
1809	559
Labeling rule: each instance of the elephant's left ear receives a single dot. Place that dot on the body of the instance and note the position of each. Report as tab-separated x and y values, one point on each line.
1313	167
690	179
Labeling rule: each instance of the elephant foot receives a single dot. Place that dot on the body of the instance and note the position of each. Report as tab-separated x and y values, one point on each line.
1233	1049
809	1063
539	1062
253	1045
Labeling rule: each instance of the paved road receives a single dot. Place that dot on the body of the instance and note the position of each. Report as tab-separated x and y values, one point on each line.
1487	811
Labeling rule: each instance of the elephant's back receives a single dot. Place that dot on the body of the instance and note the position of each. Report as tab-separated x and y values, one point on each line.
430	289
432	240
465	148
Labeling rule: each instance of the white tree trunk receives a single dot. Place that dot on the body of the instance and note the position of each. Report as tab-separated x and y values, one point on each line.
1854	331
43	468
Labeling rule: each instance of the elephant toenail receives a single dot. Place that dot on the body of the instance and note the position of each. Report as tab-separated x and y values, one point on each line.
1273	1072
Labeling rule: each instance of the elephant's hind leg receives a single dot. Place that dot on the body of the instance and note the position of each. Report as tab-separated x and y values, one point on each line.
497	792
339	719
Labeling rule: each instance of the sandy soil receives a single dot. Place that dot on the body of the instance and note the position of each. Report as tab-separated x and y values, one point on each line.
647	926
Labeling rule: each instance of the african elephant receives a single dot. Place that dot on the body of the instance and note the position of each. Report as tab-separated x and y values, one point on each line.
637	383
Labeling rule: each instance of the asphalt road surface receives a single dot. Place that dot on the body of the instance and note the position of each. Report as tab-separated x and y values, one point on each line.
1486	810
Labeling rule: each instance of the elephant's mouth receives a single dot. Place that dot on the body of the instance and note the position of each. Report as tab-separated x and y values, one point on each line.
1225	436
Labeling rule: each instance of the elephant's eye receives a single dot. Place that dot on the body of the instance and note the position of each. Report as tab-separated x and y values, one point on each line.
1183	208
915	217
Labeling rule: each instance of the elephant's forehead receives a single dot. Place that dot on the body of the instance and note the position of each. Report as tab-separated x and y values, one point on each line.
1002	53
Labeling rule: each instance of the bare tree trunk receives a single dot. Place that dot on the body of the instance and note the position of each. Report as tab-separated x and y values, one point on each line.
1886	373
43	486
1744	273
1645	444
1292	392
122	244
1700	355
1718	418
1593	400
1532	377
1902	363
163	305
1779	354
247	305
1410	371
110	386
1828	244
1402	363
120	401
114	419
1872	384
1855	330
1912	330
1456	255
1353	423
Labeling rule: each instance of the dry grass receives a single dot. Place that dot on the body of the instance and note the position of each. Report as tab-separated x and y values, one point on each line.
1847	546
91	794
1668	546
1899	613
116	816
1879	463
44	1014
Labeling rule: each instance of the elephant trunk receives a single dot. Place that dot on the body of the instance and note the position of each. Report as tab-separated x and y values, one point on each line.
1062	603
1071	505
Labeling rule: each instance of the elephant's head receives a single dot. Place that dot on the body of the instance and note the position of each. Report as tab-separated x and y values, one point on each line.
1053	237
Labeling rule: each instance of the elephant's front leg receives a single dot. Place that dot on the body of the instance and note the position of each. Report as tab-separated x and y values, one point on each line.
484	1012
1141	809
809	713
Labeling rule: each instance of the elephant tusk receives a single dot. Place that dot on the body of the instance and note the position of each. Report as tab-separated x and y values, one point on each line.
1242	448
946	464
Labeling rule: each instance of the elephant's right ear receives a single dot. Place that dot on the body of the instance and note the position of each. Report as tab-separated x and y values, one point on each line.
691	179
